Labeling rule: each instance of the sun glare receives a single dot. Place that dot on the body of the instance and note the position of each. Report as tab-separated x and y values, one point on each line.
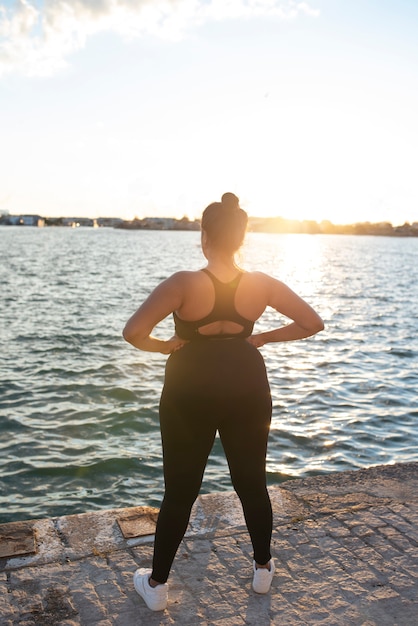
298	260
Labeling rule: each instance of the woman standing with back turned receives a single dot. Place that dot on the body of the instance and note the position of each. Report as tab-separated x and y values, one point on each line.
215	380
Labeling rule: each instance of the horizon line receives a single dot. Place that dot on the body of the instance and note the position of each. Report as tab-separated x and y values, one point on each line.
198	219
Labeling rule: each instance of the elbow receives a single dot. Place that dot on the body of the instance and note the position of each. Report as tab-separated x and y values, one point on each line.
315	326
127	334
319	325
133	334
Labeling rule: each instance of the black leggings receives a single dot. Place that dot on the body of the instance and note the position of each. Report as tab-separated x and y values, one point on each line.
239	407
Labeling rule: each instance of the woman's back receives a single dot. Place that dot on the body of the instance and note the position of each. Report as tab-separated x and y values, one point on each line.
220	306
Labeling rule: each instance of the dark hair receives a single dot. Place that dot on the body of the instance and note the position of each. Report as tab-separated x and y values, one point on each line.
225	224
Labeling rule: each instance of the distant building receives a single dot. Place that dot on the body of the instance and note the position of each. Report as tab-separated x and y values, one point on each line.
75	222
109	222
160	223
24	220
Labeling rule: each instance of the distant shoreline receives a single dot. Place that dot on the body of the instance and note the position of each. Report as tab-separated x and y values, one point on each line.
278	225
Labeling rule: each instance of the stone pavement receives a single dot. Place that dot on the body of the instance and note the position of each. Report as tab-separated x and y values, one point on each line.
345	546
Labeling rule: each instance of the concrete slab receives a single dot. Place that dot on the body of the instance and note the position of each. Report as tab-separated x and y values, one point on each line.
17	538
138	523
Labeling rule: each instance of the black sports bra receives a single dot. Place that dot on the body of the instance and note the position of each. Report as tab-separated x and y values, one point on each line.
223	309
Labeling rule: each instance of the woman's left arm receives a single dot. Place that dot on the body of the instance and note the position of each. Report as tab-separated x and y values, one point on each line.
165	299
305	321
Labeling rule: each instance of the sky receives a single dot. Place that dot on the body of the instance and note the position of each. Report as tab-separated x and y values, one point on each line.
124	108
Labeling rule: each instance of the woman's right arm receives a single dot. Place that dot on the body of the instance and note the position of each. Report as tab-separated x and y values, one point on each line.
305	320
165	299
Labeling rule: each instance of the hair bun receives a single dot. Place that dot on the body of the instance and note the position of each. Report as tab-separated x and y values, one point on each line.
230	201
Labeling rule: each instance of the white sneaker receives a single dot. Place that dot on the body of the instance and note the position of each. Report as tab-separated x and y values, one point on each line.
155	598
263	577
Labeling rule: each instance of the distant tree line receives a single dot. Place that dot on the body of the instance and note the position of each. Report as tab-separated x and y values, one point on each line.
283	225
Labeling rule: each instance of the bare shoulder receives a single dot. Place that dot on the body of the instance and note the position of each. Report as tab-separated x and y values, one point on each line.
267	288
259	279
257	276
184	278
266	280
180	282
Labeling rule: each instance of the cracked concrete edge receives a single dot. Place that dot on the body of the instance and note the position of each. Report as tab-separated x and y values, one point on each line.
73	537
353	490
380	481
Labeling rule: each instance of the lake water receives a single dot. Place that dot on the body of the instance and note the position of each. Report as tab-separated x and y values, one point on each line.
79	406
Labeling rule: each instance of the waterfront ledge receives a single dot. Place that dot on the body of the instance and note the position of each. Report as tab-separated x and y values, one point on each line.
345	545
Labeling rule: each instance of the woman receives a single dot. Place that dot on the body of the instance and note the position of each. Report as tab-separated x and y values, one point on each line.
215	380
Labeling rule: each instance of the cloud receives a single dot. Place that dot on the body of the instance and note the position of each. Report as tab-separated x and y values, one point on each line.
37	37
